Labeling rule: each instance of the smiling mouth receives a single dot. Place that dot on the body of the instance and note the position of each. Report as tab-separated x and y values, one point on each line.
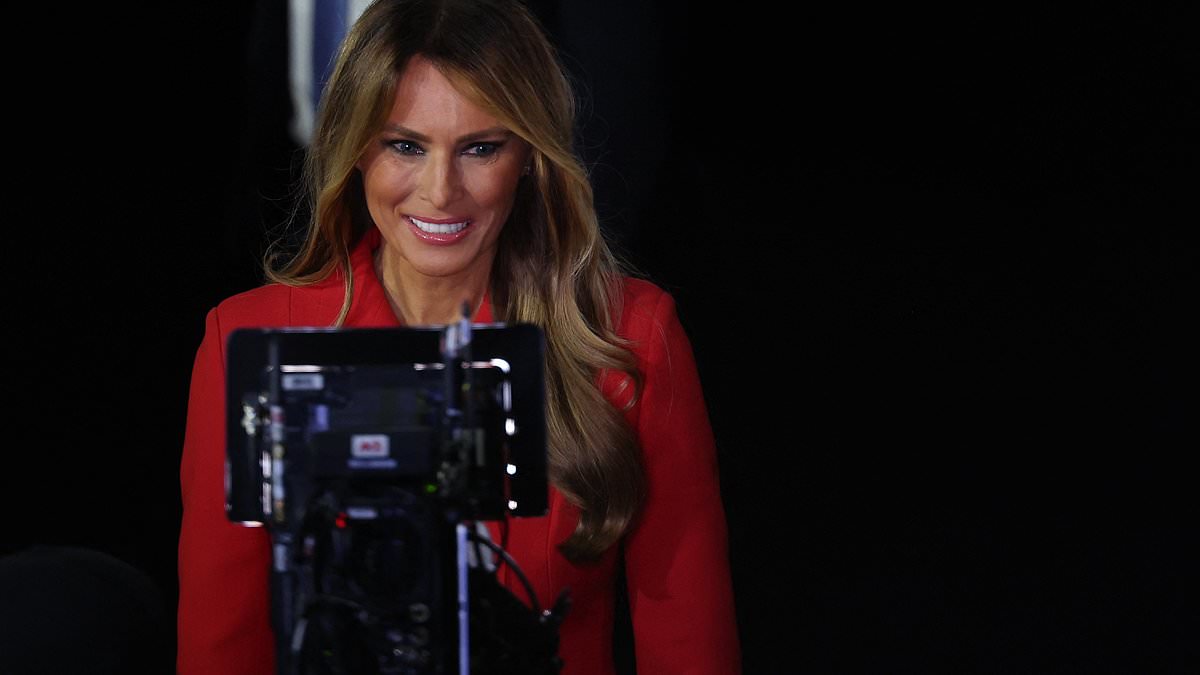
439	228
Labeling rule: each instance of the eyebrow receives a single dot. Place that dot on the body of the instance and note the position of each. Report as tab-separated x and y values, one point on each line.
474	135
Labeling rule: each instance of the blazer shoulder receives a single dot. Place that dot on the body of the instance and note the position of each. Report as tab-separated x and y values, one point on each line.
641	291
268	305
641	302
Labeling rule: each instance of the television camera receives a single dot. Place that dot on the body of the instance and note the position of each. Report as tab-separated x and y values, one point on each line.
370	456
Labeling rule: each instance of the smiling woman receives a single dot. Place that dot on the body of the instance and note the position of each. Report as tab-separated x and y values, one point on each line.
440	181
442	171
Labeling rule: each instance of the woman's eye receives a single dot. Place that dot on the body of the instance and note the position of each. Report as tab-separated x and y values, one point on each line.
407	148
482	149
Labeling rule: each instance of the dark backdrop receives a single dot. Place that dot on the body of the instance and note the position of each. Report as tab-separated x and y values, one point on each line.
932	264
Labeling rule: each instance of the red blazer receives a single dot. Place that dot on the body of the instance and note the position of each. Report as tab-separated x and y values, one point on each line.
676	558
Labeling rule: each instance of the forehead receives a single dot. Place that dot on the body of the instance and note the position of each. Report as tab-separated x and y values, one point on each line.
427	101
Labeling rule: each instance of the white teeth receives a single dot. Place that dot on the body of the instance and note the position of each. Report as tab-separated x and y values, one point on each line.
435	228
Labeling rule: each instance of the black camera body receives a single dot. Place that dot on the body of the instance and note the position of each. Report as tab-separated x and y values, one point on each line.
369	454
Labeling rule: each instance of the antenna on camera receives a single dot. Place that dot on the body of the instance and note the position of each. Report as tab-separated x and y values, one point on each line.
462	443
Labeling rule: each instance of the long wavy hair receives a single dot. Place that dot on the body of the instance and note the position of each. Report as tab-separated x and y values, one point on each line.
553	267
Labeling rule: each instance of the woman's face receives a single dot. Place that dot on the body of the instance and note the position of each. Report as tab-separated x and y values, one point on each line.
440	178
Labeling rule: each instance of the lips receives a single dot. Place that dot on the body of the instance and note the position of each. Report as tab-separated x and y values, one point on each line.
439	231
439	226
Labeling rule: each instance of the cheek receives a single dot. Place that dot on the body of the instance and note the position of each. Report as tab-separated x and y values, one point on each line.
384	183
494	190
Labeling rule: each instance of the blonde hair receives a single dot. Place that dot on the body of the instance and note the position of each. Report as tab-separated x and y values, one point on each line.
553	267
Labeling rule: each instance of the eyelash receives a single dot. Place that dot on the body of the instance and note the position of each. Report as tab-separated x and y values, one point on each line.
411	149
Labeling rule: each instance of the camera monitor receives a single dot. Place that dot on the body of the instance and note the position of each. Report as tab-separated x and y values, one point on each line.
370	404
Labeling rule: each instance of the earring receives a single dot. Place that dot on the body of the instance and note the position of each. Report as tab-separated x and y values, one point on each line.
527	170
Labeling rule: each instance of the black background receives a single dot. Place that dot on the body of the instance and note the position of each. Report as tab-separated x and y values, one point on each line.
932	264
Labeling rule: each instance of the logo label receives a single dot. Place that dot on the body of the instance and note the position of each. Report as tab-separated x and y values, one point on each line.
369	445
303	382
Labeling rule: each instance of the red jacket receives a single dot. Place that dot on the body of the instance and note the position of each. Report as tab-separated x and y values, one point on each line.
676	558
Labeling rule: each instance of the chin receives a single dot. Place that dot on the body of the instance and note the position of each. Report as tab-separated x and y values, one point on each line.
441	268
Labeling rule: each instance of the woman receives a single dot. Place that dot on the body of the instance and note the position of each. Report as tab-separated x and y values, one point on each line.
441	171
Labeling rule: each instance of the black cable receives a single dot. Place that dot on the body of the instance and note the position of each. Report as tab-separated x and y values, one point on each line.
326	599
537	608
318	602
472	527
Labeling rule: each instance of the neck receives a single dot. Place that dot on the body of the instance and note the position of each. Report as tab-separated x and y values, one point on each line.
420	300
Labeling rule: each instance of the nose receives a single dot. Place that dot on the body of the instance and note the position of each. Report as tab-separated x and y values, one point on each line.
441	182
